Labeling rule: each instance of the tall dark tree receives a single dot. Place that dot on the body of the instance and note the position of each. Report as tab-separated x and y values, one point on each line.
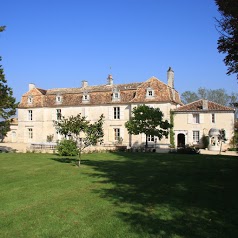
7	101
228	28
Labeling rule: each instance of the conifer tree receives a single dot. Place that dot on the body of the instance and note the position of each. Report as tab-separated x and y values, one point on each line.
7	101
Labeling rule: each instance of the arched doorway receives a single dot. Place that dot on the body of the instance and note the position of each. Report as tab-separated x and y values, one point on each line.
181	140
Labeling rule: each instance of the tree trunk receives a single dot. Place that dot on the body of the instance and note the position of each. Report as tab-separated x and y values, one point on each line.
79	158
146	141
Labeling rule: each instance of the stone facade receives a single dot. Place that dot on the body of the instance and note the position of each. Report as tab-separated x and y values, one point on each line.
196	119
39	108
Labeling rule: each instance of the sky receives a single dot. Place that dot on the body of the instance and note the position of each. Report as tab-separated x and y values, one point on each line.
60	43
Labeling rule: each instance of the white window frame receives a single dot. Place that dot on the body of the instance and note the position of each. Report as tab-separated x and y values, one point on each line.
213	118
30	115
117	134
196	137
116	112
58	114
116	94
149	93
30	133
30	100
196	118
58	99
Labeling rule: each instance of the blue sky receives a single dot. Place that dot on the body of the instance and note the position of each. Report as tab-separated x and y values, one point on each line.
59	43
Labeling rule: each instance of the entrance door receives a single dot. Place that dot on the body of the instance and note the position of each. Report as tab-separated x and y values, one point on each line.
181	140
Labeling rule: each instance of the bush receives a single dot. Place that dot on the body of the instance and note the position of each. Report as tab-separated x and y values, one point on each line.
188	150
67	148
205	141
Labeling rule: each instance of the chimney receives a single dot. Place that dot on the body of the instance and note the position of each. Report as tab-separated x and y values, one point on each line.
205	104
109	80
84	84
170	77
31	86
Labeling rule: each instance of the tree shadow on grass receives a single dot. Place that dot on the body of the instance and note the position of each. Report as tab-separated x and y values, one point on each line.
171	195
6	149
67	160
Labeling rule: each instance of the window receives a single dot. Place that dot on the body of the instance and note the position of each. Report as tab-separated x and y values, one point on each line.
195	137
58	99
30	100
30	133
115	94
116	112
196	118
86	97
150	138
149	92
30	115
117	134
58	114
213	118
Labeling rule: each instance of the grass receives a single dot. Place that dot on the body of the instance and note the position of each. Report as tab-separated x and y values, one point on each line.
119	195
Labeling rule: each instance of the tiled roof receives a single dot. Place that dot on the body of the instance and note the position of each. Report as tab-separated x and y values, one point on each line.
102	94
203	105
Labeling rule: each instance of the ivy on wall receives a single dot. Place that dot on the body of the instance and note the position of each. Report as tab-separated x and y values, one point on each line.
171	134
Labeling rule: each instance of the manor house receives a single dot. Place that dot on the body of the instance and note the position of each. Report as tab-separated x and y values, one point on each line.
39	108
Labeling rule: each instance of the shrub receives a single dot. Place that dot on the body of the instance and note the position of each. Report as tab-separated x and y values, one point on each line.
67	148
205	141
188	150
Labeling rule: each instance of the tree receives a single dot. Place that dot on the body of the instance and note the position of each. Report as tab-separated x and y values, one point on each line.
149	121
228	28
8	103
215	95
81	131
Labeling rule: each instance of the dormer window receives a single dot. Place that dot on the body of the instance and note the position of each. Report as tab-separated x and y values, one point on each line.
30	100
149	93
115	94
86	97
58	99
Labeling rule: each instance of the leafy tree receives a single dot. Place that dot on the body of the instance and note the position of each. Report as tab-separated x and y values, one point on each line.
188	96
149	121
215	95
234	139
81	131
7	101
228	28
4	128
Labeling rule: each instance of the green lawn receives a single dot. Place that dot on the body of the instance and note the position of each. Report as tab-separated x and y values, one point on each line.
119	195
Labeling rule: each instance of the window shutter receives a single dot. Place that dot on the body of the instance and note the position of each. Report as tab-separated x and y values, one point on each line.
110	134
54	114
201	118
110	112
83	111
143	138
86	112
122	133
121	113
190	118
